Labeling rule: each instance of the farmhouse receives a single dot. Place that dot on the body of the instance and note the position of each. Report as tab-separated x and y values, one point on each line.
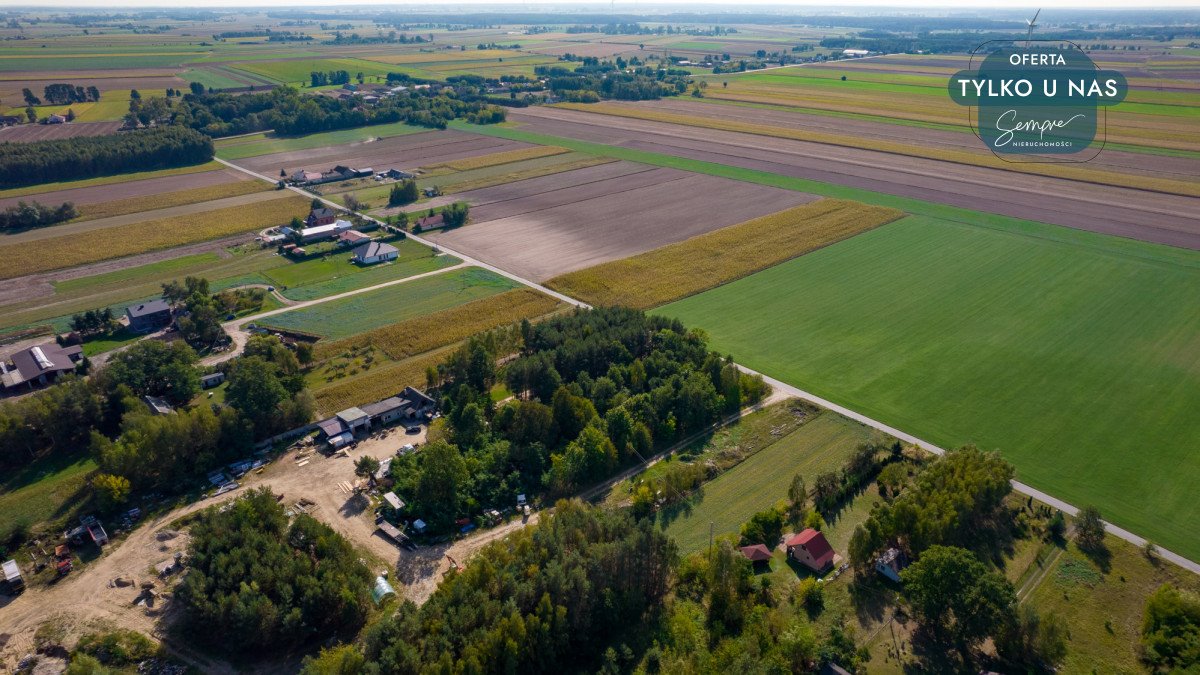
39	365
56	119
810	549
374	252
430	222
149	316
321	216
409	405
319	232
303	176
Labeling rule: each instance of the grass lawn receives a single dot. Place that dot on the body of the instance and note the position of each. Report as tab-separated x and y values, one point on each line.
335	273
360	313
47	489
822	444
106	343
1079	359
267	143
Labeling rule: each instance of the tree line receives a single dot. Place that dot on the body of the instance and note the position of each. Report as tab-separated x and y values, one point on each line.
323	78
596	390
88	157
28	215
597	80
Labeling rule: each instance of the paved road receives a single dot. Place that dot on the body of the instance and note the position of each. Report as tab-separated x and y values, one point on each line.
1024	489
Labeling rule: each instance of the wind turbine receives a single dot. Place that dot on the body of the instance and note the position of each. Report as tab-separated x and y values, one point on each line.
1032	24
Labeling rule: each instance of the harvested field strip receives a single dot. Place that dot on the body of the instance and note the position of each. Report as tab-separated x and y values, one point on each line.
265	144
414	336
367	311
116	242
1078	360
497	158
450	186
121	207
940	126
1191	189
822	444
107	180
710	260
967	216
377	383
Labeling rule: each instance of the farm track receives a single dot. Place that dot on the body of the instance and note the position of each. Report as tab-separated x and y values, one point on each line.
1190	565
1137	214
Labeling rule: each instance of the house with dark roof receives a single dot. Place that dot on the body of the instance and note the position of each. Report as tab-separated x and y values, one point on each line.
334	432
320	216
386	411
39	365
147	317
811	549
375	252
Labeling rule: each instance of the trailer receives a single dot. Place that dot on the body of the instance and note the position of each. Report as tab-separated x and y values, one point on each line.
12	576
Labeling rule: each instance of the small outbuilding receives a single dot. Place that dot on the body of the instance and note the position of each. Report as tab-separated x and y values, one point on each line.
757	553
158	405
811	549
354	419
890	563
393	501
212	380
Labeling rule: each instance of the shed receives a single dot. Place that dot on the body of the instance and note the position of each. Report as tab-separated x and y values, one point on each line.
393	501
419	525
354	419
212	380
756	553
890	562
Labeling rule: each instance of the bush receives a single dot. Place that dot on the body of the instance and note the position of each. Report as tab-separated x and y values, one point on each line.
26	216
117	648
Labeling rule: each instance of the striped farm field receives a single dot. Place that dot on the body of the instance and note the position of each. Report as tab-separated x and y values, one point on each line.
106	180
266	143
149	235
343	318
498	158
1180	187
706	261
121	207
1077	357
819	445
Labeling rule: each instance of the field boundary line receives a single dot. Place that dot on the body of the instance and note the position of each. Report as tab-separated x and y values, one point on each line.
779	385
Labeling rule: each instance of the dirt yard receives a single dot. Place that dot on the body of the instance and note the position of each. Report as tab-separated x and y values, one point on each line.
90	594
543	227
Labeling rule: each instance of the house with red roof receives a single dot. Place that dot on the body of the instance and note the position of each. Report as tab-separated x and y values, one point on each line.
811	549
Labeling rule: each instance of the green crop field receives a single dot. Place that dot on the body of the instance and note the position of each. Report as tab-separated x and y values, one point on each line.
267	143
336	274
1078	358
297	71
822	444
360	313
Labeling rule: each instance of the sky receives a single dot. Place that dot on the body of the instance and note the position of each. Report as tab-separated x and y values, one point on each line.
815	6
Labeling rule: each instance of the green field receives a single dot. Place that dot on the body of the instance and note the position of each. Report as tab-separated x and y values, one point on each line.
47	489
822	444
336	274
297	71
360	313
1078	358
267	143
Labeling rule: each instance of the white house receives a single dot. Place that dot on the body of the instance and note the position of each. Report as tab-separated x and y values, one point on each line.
374	252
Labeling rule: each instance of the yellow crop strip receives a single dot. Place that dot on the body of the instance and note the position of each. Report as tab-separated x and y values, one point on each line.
678	270
498	158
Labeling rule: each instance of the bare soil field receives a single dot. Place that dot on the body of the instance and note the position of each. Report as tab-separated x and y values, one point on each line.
28	133
543	227
97	194
1177	168
1155	217
401	152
